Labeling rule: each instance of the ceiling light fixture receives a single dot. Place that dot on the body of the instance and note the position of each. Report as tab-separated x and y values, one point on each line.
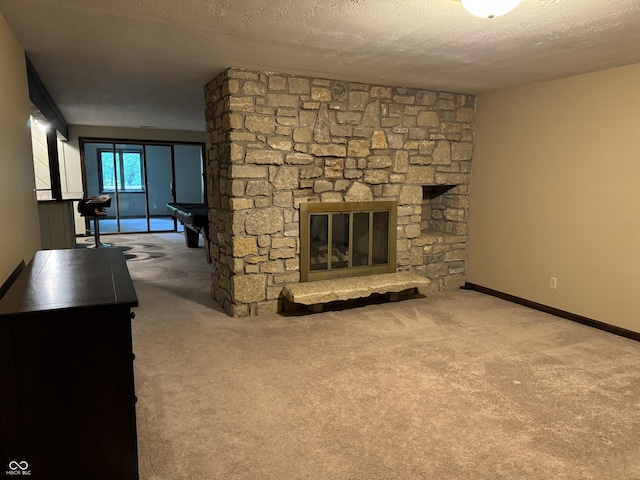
42	126
489	8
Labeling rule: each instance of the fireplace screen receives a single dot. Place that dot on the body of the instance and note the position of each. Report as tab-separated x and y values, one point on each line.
347	239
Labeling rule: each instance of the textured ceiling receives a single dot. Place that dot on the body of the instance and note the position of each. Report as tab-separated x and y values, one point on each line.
144	62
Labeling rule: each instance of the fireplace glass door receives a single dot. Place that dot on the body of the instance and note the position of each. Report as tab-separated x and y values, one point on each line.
347	239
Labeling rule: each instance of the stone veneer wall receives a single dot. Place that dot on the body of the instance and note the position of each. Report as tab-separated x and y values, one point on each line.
276	140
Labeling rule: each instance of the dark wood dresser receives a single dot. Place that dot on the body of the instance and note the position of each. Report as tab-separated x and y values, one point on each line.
67	401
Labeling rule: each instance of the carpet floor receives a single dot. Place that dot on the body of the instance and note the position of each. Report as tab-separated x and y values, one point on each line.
455	385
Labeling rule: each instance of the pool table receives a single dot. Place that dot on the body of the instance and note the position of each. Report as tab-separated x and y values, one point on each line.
195	218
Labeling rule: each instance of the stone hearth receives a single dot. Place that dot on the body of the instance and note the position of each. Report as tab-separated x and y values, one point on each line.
276	141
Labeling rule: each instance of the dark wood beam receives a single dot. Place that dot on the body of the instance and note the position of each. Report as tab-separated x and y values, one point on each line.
54	164
42	100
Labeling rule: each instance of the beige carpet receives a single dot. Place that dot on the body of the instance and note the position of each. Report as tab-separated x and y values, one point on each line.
457	385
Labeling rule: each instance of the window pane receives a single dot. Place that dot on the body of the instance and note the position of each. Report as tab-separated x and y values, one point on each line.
119	172
360	239
340	240
108	178
380	238
132	171
318	242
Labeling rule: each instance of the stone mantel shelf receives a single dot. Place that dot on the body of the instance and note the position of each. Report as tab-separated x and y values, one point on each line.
431	237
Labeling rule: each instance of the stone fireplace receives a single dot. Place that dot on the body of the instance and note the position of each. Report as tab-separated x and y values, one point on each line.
276	142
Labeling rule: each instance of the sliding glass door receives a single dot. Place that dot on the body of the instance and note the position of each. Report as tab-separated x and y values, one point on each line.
159	187
141	179
125	172
189	180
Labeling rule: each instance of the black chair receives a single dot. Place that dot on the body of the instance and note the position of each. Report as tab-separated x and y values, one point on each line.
95	207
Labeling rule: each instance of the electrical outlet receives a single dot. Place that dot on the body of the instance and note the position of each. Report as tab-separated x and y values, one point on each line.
553	283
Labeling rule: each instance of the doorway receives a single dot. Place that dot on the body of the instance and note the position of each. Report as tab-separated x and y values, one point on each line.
141	178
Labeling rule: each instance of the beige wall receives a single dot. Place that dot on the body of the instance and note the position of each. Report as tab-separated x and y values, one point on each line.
555	191
20	232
